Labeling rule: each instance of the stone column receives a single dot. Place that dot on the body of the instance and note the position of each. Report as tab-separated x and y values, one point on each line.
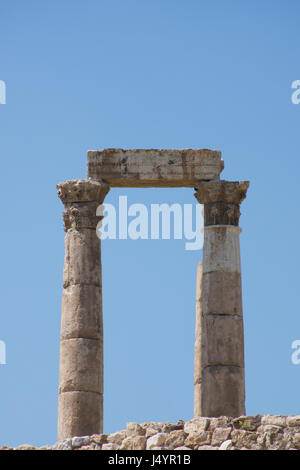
219	388
197	350
80	403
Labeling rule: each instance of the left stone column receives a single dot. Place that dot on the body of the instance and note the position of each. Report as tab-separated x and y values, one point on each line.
80	403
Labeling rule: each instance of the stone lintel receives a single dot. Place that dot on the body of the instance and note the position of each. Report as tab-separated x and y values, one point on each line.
154	167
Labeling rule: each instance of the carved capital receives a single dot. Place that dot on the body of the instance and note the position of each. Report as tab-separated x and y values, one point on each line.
221	201
233	192
82	191
81	199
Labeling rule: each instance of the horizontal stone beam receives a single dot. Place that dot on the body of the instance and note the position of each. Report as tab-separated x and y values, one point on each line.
154	168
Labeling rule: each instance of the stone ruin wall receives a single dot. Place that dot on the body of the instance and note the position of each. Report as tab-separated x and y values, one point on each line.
223	433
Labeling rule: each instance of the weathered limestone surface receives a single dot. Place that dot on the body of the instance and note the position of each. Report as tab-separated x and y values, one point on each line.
221	249
78	413
219	382
220	333
80	403
80	365
222	388
198	343
154	168
242	433
229	289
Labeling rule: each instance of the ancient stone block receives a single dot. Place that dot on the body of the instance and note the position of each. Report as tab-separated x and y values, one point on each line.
134	429
80	441
222	340
81	312
222	391
196	439
134	443
293	421
79	365
196	425
158	440
241	438
80	414
99	438
220	435
175	439
274	420
219	422
154	167
117	437
222	293
82	258
247	423
221	250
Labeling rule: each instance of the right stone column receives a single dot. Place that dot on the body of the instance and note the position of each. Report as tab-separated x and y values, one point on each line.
219	385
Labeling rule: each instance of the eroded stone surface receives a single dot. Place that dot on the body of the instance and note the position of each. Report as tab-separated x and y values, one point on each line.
221	249
223	390
219	387
74	408
157	440
79	365
81	347
154	167
222	342
228	285
222	433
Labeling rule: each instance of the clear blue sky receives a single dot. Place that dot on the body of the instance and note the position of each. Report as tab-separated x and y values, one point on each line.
161	74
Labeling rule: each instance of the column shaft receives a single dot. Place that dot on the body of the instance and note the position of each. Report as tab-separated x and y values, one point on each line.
219	343
198	343
80	405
